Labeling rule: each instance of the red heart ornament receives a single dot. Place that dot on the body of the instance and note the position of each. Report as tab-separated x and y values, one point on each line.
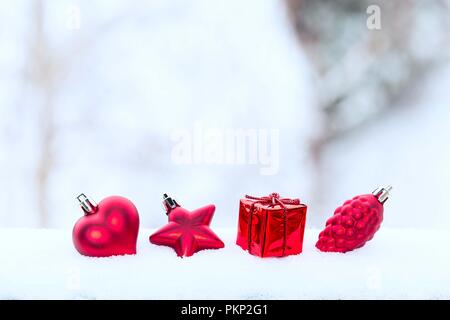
107	229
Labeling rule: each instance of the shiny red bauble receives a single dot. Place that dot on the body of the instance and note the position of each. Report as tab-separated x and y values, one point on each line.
107	229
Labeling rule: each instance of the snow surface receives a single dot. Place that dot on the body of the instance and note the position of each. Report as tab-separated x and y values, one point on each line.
398	263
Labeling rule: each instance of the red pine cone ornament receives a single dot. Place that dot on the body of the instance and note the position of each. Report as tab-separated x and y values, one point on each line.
354	223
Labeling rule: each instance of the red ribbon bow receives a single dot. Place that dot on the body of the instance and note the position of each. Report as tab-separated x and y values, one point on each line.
272	200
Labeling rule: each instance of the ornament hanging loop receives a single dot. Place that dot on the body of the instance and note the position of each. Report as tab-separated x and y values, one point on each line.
169	203
382	193
89	206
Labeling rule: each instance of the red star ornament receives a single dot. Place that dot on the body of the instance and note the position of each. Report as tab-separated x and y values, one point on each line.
187	231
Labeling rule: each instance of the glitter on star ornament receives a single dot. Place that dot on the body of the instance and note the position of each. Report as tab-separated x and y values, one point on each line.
187	231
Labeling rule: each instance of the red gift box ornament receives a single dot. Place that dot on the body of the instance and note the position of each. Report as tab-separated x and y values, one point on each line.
271	226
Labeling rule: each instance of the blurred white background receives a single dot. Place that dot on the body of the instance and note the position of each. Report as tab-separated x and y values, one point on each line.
90	92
